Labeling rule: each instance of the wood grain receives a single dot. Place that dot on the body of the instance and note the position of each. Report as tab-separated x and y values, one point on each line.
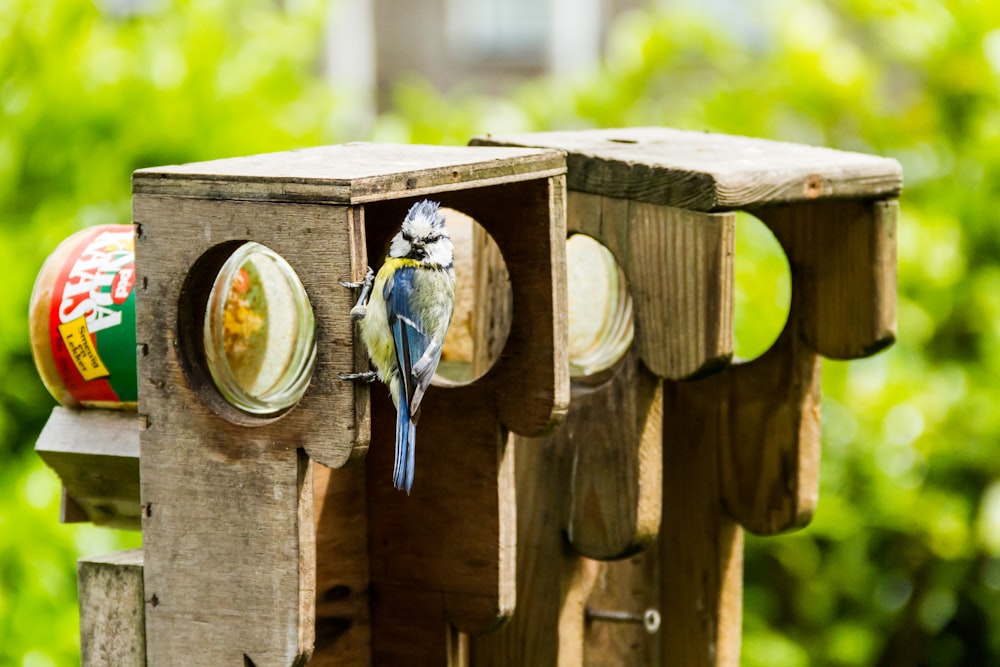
352	173
702	171
343	617
553	583
321	245
613	466
700	547
679	266
845	256
449	535
228	525
112	626
693	572
630	584
842	259
96	455
763	419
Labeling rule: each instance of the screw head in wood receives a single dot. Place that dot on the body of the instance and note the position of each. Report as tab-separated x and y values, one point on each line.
650	619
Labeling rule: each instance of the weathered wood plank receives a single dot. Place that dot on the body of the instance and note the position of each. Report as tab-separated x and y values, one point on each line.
343	617
680	264
96	455
350	173
702	171
613	467
228	523
112	611
842	257
763	419
321	245
453	534
700	547
553	582
846	277
631	585
693	572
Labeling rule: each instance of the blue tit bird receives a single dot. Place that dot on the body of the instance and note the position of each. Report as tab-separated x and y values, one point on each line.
403	324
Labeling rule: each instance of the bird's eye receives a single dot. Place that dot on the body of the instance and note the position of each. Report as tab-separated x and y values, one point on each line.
407	237
432	238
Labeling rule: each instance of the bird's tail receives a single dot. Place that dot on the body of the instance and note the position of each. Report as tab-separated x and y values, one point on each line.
406	439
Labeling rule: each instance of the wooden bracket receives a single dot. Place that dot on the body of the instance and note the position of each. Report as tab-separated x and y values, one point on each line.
679	269
96	455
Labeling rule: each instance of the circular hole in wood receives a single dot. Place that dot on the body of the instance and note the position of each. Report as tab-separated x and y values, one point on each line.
600	307
483	302
763	289
247	332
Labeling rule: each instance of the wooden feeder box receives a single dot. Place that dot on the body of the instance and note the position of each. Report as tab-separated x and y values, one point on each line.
230	571
731	448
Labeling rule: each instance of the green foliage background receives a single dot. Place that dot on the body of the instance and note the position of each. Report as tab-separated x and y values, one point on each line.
901	565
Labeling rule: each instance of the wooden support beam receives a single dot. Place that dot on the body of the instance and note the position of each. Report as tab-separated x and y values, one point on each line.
612	469
343	615
112	610
553	583
96	455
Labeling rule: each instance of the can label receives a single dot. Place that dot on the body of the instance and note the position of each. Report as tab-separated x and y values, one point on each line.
92	317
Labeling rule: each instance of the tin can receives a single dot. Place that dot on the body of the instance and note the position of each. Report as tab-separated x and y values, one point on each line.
82	319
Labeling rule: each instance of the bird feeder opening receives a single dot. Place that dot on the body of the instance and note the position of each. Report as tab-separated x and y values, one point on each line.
483	302
601	327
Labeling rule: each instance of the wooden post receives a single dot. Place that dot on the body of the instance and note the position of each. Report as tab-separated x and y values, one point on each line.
112	611
740	449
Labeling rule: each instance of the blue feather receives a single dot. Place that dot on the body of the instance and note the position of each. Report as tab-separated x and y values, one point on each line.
410	342
402	472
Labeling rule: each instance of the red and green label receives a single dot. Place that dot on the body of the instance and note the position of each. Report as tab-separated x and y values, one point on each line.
92	317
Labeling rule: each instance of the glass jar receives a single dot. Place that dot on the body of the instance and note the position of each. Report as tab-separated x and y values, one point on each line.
259	332
601	328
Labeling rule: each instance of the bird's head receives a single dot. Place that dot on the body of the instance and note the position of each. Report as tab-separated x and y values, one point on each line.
423	236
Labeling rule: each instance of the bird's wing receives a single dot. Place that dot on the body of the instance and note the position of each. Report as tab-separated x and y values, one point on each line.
412	342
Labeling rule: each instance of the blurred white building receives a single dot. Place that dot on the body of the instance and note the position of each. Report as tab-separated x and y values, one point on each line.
484	44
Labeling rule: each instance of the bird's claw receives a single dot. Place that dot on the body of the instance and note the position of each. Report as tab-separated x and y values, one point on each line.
360	309
365	376
368	280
